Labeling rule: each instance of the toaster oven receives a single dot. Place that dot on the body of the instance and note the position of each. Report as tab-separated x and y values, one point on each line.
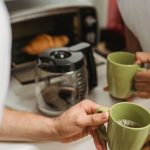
77	20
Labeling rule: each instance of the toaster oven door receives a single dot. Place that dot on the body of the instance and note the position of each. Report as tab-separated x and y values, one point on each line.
79	25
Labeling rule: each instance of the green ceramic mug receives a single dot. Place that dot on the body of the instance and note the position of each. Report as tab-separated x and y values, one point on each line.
128	126
121	69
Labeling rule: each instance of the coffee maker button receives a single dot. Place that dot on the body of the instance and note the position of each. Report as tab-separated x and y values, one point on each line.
78	74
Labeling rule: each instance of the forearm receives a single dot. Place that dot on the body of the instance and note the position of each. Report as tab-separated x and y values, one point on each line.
24	126
73	124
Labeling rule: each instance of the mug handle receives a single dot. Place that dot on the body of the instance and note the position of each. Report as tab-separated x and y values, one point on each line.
141	69
101	131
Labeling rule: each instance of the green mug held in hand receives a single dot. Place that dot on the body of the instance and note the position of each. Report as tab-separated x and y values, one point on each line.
121	69
128	126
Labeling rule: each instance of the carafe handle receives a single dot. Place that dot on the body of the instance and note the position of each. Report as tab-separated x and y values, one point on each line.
86	49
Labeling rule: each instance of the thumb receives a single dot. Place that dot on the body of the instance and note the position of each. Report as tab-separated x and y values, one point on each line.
145	95
95	119
138	61
138	58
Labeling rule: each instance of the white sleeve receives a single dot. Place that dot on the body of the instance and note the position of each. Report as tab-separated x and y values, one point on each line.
5	54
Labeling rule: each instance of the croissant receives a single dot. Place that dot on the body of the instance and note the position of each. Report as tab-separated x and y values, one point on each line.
42	42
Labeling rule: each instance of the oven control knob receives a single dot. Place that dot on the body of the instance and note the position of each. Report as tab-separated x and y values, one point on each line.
90	21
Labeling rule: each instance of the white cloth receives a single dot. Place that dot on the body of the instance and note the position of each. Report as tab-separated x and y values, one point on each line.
5	47
136	15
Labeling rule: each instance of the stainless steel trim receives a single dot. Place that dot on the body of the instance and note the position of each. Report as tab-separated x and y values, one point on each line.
38	13
27	9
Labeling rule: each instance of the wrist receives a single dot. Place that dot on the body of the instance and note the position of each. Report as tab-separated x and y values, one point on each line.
50	129
55	129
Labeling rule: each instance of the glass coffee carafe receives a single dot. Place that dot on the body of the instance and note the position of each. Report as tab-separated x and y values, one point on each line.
61	79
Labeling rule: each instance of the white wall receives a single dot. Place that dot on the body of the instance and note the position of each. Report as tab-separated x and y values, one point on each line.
102	7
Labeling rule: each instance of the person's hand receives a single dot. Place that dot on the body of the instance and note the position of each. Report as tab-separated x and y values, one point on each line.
142	57
80	121
142	78
147	144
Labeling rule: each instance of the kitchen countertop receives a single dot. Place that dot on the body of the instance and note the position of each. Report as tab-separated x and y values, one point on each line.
19	100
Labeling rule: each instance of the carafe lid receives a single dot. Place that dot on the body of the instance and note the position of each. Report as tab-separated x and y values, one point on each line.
60	60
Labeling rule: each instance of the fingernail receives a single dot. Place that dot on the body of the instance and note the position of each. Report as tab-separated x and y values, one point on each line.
105	116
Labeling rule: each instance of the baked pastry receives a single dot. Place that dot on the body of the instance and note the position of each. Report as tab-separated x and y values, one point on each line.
42	42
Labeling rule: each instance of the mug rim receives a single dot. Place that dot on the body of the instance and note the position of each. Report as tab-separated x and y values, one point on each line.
121	103
119	52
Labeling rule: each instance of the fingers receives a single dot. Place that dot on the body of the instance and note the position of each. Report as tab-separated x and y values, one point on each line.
143	76
89	107
106	89
86	131
100	144
138	61
143	95
142	81
93	128
138	58
142	86
94	119
142	57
